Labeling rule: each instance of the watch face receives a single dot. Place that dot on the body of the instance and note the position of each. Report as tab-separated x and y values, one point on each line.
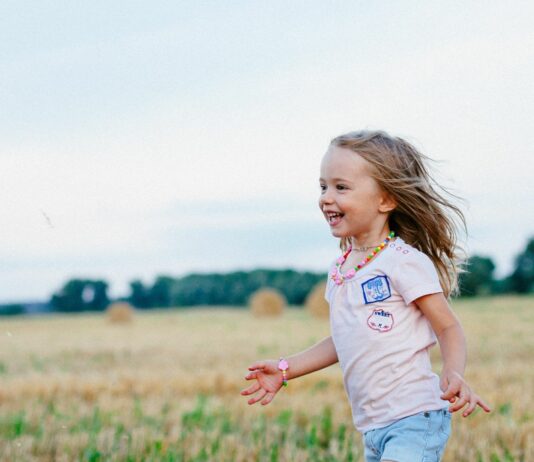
282	365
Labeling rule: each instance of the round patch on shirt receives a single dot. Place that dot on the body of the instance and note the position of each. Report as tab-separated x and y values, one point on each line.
380	320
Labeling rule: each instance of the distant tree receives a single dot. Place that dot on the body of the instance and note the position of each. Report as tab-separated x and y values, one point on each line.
161	292
522	278
81	295
140	295
11	309
222	289
202	289
235	288
69	298
478	278
97	299
502	286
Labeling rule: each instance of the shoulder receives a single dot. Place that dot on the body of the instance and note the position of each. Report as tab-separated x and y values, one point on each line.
414	273
408	262
403	253
329	281
332	265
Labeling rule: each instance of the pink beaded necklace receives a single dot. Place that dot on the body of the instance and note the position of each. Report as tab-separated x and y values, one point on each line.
339	277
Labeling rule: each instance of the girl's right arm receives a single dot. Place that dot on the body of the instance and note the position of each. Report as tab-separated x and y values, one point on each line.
269	378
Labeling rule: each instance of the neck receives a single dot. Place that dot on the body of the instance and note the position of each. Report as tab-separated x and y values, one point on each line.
370	239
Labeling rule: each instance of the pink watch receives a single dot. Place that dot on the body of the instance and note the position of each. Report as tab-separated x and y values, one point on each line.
283	366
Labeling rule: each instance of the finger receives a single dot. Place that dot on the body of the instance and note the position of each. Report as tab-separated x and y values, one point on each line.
453	389
464	398
483	405
252	389
258	397
251	375
268	398
450	393
469	409
258	365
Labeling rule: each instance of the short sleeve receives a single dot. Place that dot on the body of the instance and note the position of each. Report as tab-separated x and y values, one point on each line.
327	291
414	276
329	284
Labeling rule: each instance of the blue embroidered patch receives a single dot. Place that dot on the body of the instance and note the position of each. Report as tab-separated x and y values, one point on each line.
376	289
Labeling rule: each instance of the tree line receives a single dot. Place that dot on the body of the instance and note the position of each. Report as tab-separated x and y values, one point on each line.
235	288
231	289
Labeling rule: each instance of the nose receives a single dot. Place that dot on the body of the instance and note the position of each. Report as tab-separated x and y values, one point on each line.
325	198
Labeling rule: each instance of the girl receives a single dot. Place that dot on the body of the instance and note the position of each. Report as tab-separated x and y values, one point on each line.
388	294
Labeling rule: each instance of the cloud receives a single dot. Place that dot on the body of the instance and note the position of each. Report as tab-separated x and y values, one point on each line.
124	146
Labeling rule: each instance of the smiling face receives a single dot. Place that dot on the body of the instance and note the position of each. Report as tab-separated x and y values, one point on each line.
351	200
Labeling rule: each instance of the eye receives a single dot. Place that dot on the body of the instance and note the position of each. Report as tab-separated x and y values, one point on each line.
341	187
322	187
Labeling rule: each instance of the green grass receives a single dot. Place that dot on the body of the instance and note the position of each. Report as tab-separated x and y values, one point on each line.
214	427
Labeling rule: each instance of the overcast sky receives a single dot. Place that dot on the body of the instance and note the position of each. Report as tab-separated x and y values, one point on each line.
167	137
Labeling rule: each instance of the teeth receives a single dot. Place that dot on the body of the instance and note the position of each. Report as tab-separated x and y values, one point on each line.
332	216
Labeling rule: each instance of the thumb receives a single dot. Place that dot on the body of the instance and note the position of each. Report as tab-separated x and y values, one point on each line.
443	383
257	365
449	394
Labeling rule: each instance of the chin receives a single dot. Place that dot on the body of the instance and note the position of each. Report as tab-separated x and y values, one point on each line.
339	234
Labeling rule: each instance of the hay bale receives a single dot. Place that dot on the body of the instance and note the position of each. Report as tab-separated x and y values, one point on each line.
120	313
315	303
267	302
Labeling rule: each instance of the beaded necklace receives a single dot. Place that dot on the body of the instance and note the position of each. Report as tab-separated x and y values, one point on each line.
339	277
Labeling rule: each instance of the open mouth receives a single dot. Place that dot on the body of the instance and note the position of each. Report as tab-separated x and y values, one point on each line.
334	218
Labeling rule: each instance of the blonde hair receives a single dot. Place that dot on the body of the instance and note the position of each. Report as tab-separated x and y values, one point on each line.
424	218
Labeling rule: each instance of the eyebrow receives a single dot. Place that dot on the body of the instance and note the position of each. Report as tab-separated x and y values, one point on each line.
337	179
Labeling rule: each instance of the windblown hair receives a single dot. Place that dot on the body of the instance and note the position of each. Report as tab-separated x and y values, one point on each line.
423	217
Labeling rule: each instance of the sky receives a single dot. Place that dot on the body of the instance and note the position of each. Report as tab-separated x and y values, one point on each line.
142	139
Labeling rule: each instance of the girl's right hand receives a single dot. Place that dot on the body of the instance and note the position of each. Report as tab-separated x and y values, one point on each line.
268	381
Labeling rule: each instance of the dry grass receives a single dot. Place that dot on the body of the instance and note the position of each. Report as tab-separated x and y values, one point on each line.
80	388
267	303
315	302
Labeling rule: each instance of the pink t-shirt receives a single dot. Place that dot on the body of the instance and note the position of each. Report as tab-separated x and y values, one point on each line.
382	339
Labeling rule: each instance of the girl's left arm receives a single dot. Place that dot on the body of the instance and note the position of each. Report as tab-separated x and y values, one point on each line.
453	351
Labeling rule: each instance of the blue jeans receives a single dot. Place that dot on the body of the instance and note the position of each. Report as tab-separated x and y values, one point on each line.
418	438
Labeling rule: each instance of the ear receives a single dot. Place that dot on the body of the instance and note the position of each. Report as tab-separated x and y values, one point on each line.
387	203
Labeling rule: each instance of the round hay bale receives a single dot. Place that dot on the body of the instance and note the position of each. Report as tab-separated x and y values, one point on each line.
120	313
267	302
315	303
